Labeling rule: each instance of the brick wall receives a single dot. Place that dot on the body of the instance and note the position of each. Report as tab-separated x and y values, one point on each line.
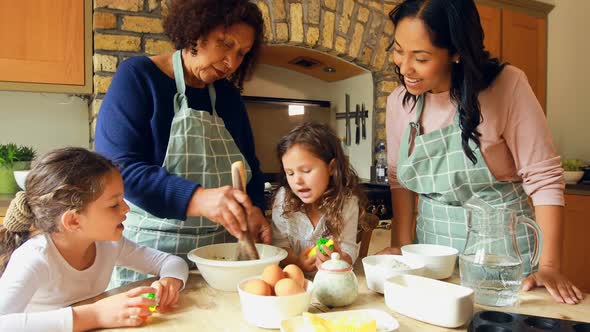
355	30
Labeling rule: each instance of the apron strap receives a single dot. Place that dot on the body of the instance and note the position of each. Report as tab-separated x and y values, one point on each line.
405	142
212	97
178	72
419	108
180	101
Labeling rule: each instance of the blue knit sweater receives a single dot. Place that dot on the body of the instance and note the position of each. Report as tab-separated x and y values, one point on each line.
133	128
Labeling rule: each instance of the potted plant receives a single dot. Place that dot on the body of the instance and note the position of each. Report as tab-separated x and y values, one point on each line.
572	170
13	158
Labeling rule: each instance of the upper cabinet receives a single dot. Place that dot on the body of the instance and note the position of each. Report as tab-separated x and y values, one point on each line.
516	32
491	21
524	44
46	45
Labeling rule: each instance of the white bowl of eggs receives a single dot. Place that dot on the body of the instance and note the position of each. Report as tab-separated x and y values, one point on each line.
220	268
274	296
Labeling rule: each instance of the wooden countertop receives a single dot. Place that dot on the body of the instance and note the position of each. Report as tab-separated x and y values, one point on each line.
211	310
206	309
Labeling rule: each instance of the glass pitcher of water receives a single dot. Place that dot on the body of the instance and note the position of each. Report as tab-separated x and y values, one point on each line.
491	263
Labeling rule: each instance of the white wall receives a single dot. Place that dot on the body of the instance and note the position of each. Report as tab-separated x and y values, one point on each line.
568	78
270	81
44	121
360	89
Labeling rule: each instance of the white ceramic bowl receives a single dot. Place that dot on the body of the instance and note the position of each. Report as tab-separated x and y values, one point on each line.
572	177
220	269
20	177
269	311
439	261
378	268
432	301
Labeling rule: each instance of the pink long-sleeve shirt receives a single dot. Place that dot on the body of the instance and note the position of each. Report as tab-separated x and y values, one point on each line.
515	139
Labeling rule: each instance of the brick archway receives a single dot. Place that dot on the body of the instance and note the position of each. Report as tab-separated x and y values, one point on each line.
357	31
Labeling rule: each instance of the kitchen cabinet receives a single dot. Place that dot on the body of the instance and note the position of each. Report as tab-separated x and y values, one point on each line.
519	37
46	45
576	245
491	22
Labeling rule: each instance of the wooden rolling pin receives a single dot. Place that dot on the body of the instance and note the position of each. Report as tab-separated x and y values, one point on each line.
246	247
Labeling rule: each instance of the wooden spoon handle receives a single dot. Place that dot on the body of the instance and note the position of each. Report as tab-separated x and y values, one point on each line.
246	247
238	175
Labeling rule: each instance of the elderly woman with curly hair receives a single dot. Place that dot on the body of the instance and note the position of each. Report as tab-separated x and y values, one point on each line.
175	123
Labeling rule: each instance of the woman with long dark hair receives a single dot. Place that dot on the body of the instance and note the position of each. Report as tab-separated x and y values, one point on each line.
462	125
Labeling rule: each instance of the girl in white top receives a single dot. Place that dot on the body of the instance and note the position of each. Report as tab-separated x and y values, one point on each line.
319	197
59	244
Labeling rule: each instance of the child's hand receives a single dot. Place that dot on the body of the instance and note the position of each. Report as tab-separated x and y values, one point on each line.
167	292
320	258
125	309
307	264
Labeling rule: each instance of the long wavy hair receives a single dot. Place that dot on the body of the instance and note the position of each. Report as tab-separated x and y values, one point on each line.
321	140
62	180
455	25
191	20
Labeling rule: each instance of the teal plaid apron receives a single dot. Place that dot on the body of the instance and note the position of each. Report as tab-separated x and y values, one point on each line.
440	172
200	149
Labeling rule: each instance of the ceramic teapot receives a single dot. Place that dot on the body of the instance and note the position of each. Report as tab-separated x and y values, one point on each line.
335	285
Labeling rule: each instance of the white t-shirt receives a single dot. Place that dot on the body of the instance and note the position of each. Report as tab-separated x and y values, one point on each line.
298	233
38	285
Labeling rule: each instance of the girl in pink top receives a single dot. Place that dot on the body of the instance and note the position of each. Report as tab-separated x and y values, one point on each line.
463	125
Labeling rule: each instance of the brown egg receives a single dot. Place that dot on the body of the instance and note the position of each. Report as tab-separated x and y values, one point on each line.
272	274
287	286
257	287
293	271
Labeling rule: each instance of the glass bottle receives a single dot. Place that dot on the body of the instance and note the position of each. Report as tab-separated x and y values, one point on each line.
381	165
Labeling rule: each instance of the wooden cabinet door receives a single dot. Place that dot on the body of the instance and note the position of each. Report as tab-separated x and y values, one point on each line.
524	45
491	22
576	247
42	41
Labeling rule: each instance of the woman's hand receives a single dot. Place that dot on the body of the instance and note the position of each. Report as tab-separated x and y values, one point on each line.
167	292
307	264
125	309
389	251
224	205
259	227
562	290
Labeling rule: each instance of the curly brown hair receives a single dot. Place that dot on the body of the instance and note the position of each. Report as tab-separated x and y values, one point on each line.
191	20
321	140
62	180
